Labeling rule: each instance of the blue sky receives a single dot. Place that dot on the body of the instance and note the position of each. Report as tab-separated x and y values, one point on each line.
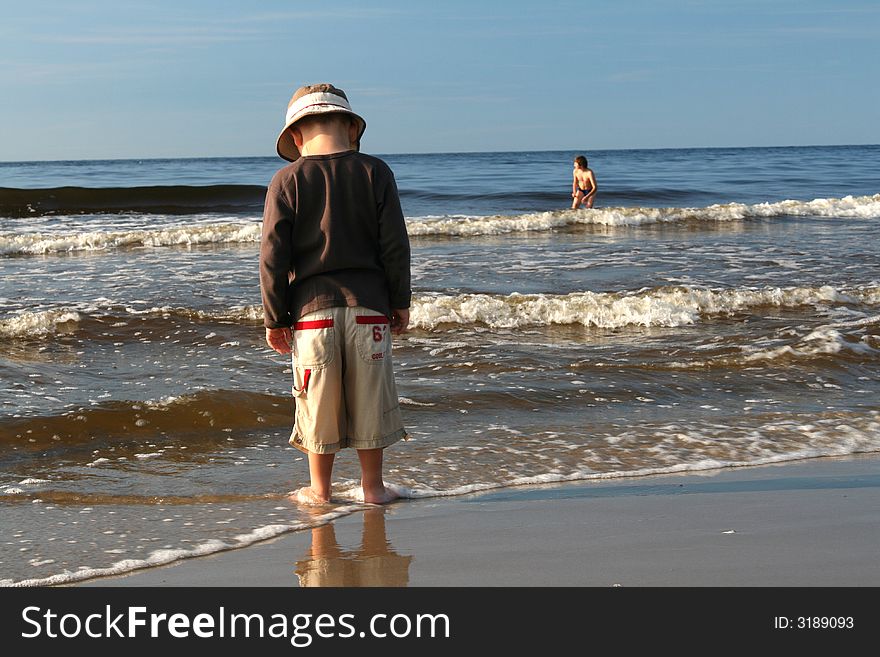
129	79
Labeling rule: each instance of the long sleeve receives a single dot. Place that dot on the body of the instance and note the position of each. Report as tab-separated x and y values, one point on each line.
276	252
394	245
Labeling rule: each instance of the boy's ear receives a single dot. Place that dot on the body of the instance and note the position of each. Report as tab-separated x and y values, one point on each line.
297	136
353	132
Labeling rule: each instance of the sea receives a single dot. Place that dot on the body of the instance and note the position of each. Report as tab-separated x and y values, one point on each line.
717	308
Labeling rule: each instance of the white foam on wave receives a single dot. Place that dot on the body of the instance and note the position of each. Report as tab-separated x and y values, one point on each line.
355	493
42	243
37	324
858	207
822	340
42	323
412	402
664	307
855	207
827	438
463	226
238	313
661	307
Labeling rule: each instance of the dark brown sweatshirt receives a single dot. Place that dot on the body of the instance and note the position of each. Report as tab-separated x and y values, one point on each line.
333	235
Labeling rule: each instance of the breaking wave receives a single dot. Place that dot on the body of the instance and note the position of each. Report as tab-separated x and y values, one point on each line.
248	231
663	307
860	207
667	306
40	243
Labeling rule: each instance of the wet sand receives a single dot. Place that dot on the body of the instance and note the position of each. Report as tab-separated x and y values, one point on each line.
806	523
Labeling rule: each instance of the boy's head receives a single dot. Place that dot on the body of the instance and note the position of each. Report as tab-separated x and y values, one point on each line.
581	162
338	124
316	106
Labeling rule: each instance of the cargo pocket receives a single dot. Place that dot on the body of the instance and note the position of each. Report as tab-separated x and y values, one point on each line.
301	378
313	343
302	415
373	337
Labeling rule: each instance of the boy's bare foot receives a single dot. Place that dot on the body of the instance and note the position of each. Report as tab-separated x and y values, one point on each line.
306	495
382	496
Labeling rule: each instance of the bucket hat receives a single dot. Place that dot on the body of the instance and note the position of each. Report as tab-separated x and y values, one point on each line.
314	99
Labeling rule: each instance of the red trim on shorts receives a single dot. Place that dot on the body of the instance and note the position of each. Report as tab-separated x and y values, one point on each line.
371	319
313	324
306	376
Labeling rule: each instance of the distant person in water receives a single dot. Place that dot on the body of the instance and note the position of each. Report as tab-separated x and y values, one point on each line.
583	184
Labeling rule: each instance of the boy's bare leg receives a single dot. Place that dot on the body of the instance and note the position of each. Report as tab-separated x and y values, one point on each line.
320	473
577	201
371	477
588	201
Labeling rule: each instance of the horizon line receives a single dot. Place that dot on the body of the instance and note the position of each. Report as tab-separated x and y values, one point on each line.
487	152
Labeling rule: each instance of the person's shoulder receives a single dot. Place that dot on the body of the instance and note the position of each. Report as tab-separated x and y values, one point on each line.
376	164
285	174
370	159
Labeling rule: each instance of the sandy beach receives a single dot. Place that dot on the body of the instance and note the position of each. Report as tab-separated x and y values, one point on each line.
807	523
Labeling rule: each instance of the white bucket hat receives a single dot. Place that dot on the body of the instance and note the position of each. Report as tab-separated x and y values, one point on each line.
314	99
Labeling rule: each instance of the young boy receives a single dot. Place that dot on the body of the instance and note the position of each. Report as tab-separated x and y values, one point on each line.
583	185
335	282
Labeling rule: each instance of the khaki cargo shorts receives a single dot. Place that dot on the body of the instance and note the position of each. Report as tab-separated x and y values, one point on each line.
343	382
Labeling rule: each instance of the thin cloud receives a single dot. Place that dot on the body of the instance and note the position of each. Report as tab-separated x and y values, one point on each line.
349	13
826	31
159	36
631	76
227	30
24	73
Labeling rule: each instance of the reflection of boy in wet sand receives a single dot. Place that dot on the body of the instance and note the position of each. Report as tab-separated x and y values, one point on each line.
583	185
374	564
335	279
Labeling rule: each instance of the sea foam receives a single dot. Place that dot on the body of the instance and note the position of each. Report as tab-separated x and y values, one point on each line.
667	306
248	231
663	307
42	243
37	324
859	207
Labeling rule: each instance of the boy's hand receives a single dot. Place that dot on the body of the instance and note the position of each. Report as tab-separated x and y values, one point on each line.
399	320
279	339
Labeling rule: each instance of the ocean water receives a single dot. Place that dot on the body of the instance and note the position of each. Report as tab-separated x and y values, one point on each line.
717	308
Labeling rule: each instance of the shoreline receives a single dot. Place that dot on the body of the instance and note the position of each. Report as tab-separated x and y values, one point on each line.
812	522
